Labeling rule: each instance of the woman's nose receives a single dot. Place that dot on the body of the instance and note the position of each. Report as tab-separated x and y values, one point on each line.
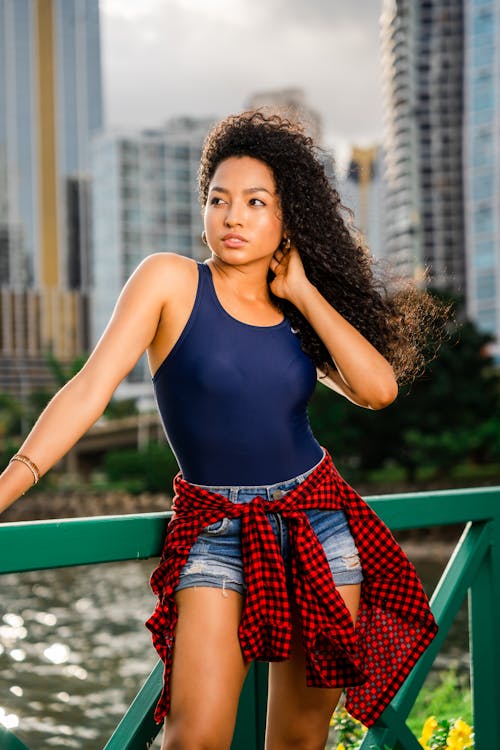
234	215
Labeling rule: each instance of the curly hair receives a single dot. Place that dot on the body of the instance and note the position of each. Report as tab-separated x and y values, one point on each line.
396	317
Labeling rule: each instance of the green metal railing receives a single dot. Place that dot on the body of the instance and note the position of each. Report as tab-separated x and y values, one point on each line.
473	569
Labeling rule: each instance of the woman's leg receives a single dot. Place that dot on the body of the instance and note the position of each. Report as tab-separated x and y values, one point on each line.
298	716
208	670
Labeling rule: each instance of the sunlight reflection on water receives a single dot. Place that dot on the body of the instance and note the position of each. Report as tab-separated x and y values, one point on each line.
73	651
58	653
10	721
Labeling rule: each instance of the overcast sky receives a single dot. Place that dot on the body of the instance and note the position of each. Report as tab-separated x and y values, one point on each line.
163	58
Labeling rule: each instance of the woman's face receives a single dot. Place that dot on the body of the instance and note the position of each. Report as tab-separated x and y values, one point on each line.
242	215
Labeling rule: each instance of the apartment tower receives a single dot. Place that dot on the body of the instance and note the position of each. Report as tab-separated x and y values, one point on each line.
422	59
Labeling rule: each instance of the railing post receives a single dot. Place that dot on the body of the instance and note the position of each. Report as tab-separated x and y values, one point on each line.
250	728
9	741
484	620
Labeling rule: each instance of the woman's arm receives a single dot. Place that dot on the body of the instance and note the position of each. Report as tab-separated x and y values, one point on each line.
83	399
363	375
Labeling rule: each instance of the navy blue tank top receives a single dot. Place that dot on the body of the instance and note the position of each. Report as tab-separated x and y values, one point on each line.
233	398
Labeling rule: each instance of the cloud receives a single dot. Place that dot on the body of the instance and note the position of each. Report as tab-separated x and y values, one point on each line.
194	57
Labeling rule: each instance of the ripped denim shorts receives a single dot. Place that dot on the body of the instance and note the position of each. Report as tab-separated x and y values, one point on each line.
215	559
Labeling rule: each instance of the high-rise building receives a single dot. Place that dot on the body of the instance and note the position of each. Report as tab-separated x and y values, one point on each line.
144	201
50	105
291	103
362	191
422	58
482	165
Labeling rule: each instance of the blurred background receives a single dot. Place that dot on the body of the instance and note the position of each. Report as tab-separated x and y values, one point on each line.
103	110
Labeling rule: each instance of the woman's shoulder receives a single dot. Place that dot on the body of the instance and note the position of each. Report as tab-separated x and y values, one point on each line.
169	270
172	263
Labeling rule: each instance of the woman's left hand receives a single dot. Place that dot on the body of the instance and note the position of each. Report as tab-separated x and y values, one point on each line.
361	373
289	273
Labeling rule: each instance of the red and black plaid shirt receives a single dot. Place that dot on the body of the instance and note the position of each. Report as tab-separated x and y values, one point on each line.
394	624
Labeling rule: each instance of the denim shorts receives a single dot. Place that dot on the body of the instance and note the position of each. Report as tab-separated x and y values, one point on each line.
215	559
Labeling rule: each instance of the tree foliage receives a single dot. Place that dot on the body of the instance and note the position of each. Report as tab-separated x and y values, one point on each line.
151	469
449	415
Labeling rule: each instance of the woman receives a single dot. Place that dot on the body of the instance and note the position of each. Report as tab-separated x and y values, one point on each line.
268	548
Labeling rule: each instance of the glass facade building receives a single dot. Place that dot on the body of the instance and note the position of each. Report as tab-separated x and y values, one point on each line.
50	106
144	200
80	117
482	164
19	231
422	59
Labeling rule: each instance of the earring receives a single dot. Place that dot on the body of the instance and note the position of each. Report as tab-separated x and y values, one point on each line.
204	237
287	242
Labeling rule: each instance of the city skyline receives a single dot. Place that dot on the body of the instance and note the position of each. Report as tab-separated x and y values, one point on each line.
183	58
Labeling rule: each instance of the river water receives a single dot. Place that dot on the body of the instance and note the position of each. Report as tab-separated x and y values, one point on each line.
74	650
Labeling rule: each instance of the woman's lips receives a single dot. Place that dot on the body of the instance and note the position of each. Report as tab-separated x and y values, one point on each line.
233	240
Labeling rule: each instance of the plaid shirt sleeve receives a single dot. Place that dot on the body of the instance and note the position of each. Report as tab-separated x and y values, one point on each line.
394	625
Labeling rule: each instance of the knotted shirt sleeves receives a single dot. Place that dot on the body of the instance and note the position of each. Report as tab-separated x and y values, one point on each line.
394	624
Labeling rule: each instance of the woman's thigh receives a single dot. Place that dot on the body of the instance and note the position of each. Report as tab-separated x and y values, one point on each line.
208	669
297	715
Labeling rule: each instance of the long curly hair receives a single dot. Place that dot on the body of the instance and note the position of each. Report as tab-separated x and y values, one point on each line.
395	316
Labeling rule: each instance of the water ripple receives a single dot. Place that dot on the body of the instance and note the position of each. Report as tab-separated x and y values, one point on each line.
85	652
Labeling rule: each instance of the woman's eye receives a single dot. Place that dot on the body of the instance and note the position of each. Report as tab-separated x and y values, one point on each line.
216	201
256	202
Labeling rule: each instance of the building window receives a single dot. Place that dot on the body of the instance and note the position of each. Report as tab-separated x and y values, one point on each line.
483	186
483	22
485	287
483	220
181	152
182	172
483	54
482	148
482	98
486	321
484	255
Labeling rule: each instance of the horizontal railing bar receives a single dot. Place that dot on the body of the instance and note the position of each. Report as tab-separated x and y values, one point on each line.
413	510
38	545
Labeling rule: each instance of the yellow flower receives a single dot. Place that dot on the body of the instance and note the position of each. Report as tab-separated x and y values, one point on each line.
428	728
459	736
341	746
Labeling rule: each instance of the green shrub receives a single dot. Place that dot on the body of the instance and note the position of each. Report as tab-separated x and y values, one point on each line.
148	470
446	694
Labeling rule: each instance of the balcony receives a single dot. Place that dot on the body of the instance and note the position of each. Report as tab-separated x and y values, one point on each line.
473	570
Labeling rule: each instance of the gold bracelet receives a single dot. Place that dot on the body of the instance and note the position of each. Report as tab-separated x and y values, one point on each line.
29	463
